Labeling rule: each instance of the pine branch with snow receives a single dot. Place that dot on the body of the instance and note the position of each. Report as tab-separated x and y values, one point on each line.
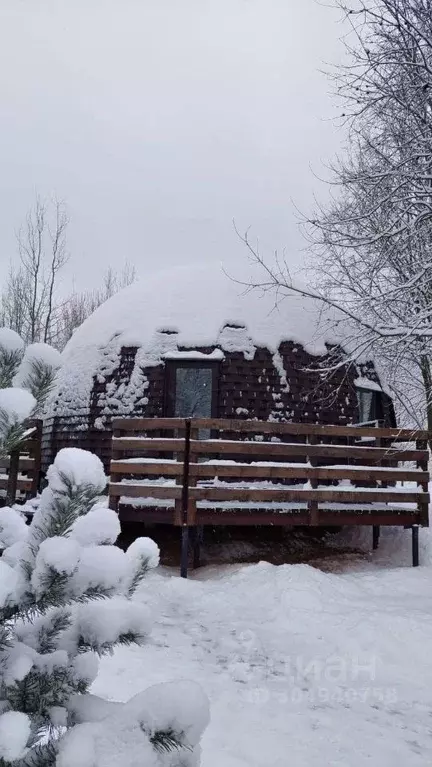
67	597
11	355
16	407
26	379
37	372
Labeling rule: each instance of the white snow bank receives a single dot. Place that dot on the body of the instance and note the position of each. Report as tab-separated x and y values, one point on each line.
17	403
80	467
10	341
394	548
301	667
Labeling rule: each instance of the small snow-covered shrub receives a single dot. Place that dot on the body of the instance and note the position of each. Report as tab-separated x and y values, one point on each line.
65	599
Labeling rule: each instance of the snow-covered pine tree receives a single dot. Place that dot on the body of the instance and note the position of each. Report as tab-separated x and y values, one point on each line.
26	378
67	597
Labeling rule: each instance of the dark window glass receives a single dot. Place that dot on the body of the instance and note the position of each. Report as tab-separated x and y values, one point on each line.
371	406
193	392
365	405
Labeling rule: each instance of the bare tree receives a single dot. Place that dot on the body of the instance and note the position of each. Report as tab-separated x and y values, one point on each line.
27	303
58	258
372	245
79	306
31	303
14	301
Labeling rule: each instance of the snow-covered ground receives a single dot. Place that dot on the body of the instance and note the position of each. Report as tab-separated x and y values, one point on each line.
303	668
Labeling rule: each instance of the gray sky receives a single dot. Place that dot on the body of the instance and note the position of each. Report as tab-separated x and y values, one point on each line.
159	121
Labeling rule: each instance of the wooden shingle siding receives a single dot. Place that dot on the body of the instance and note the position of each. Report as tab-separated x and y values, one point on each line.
247	389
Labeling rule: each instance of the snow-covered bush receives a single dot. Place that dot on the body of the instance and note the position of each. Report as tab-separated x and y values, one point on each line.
26	378
66	597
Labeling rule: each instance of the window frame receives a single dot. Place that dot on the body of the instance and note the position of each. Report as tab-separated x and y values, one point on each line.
171	366
378	411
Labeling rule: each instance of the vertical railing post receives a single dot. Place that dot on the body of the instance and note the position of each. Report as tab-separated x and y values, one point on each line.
185	502
192	504
13	476
313	505
423	508
415	546
37	459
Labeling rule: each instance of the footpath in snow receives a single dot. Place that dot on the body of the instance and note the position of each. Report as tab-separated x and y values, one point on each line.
303	668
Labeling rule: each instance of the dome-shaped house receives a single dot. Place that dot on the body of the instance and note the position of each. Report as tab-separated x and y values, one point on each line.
191	341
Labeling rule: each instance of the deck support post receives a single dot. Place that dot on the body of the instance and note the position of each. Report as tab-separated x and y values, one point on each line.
185	502
375	536
197	536
415	545
184	551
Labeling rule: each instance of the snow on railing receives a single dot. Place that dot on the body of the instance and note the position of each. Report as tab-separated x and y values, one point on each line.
259	472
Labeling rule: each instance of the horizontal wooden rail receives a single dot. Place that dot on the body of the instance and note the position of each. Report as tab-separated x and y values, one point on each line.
25	464
167	445
298	471
272	449
269	427
22	485
352	474
289	495
301	472
264	495
147	491
20	472
149	468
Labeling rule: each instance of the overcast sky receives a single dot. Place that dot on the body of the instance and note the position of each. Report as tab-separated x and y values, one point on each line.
159	121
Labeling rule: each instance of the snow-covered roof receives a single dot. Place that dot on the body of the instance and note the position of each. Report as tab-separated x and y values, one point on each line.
196	302
185	307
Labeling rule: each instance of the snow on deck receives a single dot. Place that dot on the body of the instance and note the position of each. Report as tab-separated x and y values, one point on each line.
302	668
281	506
275	464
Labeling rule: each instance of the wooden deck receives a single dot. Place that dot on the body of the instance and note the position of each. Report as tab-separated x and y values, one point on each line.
20	472
194	472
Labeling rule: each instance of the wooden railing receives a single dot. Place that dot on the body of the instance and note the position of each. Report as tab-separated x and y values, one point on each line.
250	472
20	472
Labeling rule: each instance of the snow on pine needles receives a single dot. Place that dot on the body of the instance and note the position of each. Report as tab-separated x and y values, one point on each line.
65	601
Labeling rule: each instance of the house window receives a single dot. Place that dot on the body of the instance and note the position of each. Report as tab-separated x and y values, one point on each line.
193	392
364	400
191	389
370	405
